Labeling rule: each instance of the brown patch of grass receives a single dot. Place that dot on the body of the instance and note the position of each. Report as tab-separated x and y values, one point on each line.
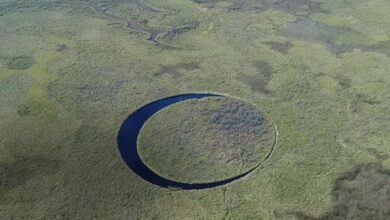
377	154
258	82
287	6
255	83
20	62
264	70
176	69
238	118
361	194
61	47
99	92
310	30
343	81
21	170
208	3
280	47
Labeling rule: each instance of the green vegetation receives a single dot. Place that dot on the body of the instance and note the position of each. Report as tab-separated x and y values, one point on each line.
318	68
20	62
363	193
206	140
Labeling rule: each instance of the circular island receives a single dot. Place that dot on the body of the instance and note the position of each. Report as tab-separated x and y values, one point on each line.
206	140
196	141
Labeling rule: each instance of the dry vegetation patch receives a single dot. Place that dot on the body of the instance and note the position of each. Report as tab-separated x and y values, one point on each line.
363	193
20	62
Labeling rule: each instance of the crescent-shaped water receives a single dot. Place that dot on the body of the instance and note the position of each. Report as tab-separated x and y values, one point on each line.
127	142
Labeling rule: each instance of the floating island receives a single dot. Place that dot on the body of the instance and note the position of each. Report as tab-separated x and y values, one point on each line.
206	140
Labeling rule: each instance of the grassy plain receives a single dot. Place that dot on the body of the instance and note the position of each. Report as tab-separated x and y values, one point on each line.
72	71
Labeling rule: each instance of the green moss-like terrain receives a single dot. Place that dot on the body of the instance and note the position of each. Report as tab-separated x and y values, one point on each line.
72	71
207	140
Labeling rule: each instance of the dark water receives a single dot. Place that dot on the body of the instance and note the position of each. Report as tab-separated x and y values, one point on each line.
127	142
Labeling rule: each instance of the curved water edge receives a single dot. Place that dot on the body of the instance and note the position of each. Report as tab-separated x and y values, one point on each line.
127	143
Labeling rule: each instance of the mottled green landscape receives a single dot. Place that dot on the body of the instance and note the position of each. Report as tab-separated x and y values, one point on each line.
72	71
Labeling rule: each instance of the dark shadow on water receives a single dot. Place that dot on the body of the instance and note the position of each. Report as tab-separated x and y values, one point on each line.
127	142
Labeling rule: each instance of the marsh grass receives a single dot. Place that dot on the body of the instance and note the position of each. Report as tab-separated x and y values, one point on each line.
360	194
21	170
20	62
259	81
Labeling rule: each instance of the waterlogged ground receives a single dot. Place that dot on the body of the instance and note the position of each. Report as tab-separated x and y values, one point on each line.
208	140
72	71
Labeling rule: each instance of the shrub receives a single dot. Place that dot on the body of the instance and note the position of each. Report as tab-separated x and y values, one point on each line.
237	117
